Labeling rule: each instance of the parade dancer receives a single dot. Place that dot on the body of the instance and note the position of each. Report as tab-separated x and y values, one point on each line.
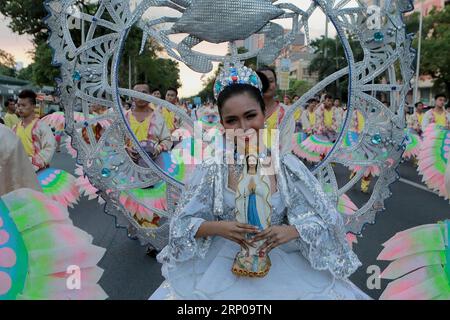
338	105
416	119
434	151
325	130
36	136
310	258
173	122
308	118
40	144
438	115
307	122
11	118
275	111
414	133
148	126
328	119
355	130
150	129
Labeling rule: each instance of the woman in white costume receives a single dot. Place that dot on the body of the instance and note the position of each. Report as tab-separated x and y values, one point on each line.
310	258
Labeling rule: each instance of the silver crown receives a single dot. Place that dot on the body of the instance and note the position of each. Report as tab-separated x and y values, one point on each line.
236	73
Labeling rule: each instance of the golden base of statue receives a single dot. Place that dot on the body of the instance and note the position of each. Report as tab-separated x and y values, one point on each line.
252	266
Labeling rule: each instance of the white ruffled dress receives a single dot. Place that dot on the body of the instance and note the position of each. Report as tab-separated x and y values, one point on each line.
315	266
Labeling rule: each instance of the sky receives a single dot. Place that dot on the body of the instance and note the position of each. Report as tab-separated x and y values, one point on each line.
17	45
20	45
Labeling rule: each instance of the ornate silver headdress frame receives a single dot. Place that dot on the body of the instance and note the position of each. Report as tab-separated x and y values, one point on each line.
89	74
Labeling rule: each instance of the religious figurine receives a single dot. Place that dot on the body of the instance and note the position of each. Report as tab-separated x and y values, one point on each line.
253	207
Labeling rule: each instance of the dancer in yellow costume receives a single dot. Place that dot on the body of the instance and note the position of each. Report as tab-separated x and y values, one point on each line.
11	118
275	111
415	120
328	119
308	118
148	125
438	115
36	136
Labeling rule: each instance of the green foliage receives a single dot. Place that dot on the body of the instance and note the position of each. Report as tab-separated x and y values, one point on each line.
43	72
296	87
27	17
26	73
435	59
330	58
7	64
207	93
147	67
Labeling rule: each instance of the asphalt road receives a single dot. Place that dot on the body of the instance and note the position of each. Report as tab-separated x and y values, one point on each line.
131	274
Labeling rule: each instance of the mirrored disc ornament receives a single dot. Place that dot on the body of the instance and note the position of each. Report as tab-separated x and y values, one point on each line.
90	66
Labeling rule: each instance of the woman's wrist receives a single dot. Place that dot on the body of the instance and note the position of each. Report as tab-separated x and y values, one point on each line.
294	232
208	229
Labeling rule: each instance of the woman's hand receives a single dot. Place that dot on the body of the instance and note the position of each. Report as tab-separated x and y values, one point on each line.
231	230
276	236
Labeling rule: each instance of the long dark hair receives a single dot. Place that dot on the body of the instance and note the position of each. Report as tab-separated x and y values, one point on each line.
237	89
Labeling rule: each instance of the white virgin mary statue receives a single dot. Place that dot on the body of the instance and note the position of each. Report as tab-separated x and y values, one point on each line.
253	206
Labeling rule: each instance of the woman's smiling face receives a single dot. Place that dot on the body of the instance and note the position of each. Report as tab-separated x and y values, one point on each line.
242	112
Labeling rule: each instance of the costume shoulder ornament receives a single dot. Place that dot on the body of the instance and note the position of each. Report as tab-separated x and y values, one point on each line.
90	69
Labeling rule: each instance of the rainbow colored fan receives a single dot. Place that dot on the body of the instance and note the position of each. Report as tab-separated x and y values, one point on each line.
345	207
40	251
56	121
350	139
59	185
139	201
433	157
301	151
317	144
420	267
413	142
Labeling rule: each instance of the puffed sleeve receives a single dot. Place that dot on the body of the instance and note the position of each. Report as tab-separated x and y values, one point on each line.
426	120
196	207
47	144
322	235
164	137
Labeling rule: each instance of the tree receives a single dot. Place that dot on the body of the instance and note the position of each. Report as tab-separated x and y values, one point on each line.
7	64
43	73
329	58
28	18
207	93
26	73
435	60
250	63
146	67
296	87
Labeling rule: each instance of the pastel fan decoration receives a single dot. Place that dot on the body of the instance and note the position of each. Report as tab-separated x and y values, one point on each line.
315	144
59	185
420	261
433	157
413	145
41	250
299	149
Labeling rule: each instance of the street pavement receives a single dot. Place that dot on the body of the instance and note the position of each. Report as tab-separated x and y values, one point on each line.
131	274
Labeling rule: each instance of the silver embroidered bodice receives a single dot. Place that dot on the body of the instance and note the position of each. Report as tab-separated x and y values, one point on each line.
300	201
